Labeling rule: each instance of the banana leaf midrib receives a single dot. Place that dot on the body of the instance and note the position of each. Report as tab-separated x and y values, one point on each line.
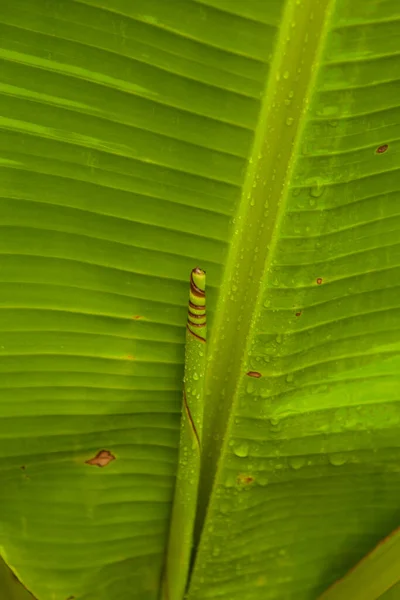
276	139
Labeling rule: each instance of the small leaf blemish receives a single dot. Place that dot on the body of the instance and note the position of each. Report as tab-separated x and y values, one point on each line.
382	149
254	374
102	459
319	280
243	479
298	314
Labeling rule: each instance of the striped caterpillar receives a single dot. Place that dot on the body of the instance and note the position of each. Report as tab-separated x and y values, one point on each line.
187	480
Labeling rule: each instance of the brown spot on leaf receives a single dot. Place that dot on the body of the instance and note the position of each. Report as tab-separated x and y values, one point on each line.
102	459
23	467
261	581
130	357
382	149
243	479
319	280
136	317
298	314
254	374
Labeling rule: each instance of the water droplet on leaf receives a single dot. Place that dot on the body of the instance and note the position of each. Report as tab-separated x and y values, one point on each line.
338	459
296	462
317	190
241	450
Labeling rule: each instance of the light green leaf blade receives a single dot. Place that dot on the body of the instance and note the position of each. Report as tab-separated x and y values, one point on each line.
125	131
139	139
307	462
376	576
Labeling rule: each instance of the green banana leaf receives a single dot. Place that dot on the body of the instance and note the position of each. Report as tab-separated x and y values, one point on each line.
10	587
376	576
392	594
257	139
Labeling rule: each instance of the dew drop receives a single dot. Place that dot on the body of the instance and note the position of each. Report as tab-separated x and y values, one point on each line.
262	480
296	462
338	459
317	190
225	508
230	481
241	450
250	387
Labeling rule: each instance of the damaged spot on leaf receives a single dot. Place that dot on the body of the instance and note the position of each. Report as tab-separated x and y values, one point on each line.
319	280
245	479
136	317
254	374
382	149
130	357
102	459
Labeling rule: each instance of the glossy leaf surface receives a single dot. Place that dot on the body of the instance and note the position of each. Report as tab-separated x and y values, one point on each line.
137	141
